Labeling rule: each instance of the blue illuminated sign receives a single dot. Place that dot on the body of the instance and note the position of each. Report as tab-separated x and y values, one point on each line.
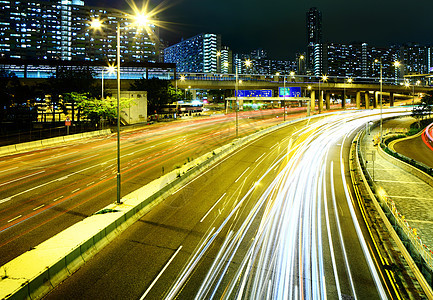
255	93
293	91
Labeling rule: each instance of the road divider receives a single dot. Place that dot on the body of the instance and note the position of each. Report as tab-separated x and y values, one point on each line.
11	149
37	271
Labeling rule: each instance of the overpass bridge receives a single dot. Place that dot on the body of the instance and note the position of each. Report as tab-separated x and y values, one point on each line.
365	92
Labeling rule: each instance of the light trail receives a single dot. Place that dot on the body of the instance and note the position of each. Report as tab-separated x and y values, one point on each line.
285	254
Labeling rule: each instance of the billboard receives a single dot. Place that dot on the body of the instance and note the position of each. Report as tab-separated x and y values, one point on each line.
254	93
293	91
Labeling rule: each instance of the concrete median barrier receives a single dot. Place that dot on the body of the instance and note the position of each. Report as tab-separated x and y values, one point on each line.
6	150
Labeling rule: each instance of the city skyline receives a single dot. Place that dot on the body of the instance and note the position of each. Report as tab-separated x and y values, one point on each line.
252	26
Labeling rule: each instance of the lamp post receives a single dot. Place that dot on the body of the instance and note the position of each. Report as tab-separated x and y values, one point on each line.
236	97
218	55
396	65
343	103
301	57
381	107
284	89
141	20
320	102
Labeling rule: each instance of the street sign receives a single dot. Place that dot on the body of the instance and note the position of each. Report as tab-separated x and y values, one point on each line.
293	91
67	122
254	93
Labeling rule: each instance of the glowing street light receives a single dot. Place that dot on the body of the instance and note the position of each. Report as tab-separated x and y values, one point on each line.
320	104
396	64
381	120
110	70
141	20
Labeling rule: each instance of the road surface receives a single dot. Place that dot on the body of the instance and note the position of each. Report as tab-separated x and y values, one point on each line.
274	220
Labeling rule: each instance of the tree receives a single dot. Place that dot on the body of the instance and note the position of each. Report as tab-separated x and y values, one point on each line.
424	108
159	92
9	83
94	108
68	80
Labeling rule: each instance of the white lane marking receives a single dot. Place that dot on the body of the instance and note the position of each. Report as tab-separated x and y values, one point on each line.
9	169
202	219
331	244
90	183
274	146
340	232
24	177
57	156
74	161
160	273
15	218
260	157
36	208
242	174
58	198
76	190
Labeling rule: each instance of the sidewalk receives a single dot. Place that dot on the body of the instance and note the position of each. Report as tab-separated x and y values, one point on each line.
413	197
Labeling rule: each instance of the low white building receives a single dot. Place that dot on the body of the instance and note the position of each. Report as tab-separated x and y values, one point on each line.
137	112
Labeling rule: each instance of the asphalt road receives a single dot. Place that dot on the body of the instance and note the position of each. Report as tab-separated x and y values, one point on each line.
416	149
275	219
43	192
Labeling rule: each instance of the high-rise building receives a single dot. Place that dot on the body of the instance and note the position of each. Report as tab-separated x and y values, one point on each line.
344	59
314	42
60	30
197	54
226	60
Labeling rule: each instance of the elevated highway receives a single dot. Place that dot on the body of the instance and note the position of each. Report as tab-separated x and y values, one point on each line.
365	92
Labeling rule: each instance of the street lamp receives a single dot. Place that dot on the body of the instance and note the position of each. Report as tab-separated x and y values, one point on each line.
218	55
141	20
381	120
110	70
396	65
301	57
320	103
247	64
343	103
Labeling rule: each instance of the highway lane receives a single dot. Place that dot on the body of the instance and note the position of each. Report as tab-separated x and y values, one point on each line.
43	192
274	220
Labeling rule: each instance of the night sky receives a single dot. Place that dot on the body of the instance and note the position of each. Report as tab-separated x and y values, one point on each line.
278	26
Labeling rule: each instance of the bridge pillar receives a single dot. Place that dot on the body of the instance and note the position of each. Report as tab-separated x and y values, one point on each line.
313	100
343	102
328	101
391	99
367	99
320	104
358	99
376	99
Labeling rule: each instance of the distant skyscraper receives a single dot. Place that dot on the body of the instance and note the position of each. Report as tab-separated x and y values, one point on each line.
314	41
197	54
